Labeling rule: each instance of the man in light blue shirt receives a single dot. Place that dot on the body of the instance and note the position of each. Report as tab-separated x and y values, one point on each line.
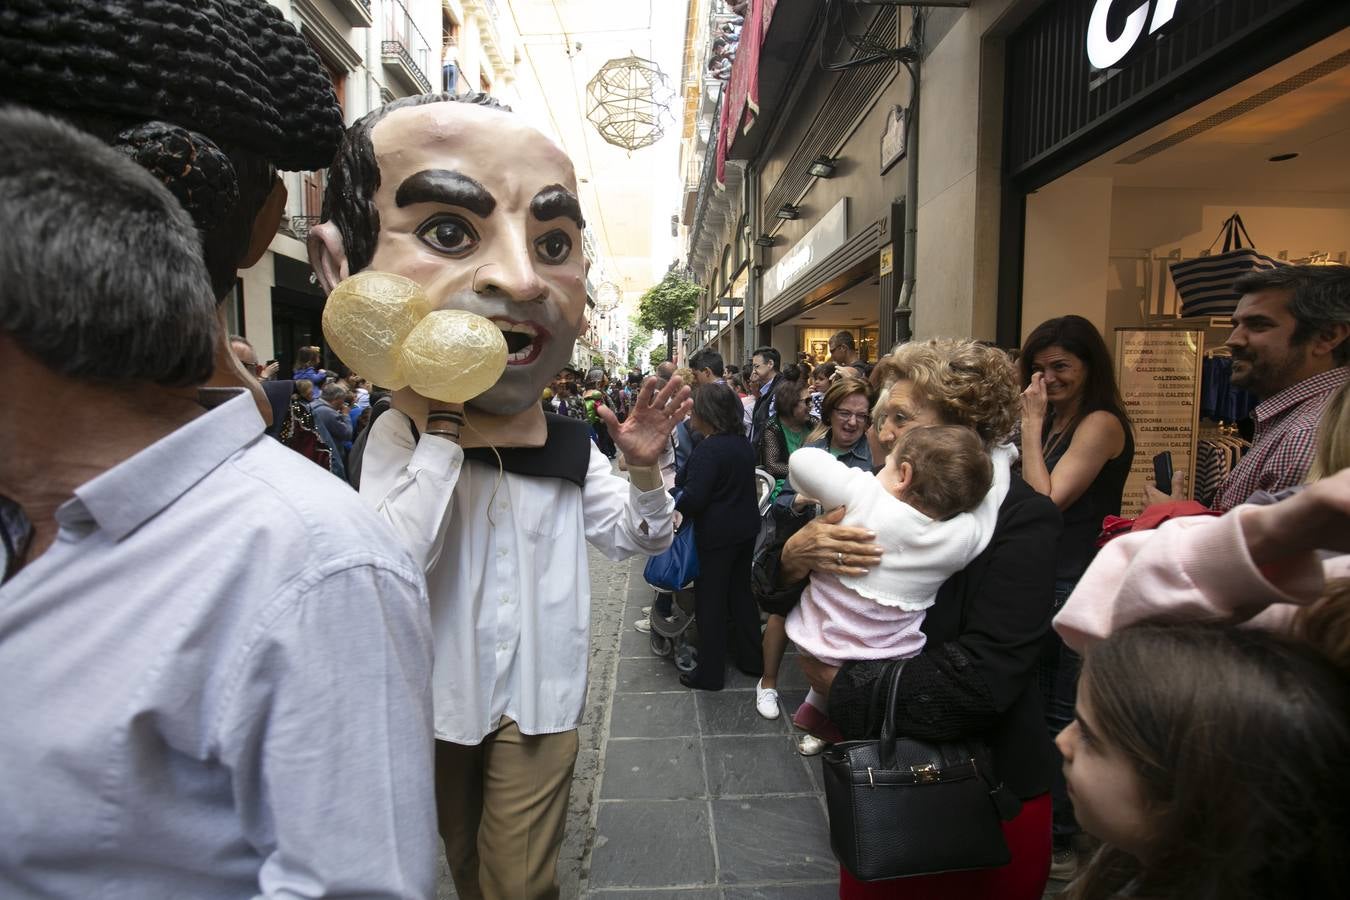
214	662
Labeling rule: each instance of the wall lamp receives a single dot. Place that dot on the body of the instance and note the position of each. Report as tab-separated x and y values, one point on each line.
823	167
765	240
788	211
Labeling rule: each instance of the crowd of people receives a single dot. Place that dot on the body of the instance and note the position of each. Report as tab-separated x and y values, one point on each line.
228	674
945	506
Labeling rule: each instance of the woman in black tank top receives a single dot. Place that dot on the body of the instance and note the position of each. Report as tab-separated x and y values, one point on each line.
1077	448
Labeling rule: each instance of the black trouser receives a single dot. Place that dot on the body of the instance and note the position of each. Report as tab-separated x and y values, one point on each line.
1057	674
722	604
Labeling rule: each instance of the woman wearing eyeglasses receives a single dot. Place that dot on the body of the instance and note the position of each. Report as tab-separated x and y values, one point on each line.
845	415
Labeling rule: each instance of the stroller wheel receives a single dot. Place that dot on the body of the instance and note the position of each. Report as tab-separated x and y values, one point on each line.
661	646
686	659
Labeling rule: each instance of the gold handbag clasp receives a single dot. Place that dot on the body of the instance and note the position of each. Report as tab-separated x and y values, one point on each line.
926	773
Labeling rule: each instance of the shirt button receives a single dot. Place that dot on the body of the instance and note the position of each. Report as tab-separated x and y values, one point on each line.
506	598
503	552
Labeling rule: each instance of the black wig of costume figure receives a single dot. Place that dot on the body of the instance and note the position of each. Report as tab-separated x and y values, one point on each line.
212	96
349	201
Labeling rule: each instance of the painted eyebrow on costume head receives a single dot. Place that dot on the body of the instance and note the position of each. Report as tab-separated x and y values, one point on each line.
556	202
446	186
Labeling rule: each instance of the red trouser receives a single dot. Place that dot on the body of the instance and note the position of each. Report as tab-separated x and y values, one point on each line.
1024	878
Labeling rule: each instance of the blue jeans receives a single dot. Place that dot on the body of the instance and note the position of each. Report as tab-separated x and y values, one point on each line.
1057	676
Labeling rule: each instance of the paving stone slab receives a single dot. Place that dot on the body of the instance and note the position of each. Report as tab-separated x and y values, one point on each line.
633	644
642	893
741	766
828	890
772	839
653	769
653	716
652	843
647	675
733	712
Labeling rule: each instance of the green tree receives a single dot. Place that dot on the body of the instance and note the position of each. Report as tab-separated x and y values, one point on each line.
638	339
669	306
658	355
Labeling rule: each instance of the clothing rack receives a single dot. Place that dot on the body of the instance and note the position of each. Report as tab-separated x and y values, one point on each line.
1220	401
1218	449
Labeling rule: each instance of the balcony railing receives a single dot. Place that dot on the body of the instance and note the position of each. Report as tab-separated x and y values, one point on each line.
310	194
706	178
404	50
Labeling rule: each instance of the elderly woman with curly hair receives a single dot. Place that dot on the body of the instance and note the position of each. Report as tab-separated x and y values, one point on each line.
975	678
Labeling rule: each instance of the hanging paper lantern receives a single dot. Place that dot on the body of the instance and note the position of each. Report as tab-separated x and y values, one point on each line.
629	98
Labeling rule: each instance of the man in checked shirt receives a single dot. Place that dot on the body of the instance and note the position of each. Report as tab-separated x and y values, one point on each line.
1291	347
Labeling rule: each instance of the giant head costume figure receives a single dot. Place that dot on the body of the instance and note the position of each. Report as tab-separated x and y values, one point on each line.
477	207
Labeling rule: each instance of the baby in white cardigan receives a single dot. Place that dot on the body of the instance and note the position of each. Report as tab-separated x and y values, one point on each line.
933	509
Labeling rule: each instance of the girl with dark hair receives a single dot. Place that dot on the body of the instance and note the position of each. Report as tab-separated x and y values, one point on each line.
718	485
307	367
1253	805
1077	449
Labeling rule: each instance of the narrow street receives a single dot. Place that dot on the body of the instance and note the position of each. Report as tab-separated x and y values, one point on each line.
679	793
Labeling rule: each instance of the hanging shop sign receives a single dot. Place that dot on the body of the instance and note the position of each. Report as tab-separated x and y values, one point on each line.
887	261
893	139
1158	370
824	238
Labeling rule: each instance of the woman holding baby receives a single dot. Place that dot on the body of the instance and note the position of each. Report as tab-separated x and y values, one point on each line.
975	676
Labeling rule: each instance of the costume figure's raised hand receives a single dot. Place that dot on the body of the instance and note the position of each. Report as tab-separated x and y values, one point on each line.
645	433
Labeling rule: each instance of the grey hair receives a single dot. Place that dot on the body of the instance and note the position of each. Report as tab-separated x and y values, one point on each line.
102	268
332	391
1320	299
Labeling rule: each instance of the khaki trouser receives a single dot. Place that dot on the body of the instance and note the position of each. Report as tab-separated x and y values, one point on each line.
501	806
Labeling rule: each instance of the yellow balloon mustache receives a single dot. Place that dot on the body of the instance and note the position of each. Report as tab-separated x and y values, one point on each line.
383	327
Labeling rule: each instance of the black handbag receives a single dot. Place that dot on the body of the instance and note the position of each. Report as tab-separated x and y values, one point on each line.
900	807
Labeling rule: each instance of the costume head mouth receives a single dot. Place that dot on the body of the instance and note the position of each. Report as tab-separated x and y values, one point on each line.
525	340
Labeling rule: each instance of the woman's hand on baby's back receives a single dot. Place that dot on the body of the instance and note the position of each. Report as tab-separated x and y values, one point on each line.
823	545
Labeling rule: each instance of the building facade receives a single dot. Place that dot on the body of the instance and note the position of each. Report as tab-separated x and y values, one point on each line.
1063	152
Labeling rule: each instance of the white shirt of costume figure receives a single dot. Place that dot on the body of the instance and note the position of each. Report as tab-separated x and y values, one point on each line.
481	210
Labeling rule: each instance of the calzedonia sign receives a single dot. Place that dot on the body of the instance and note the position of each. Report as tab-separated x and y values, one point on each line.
1105	51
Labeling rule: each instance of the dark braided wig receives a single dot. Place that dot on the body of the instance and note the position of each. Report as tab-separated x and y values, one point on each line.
233	70
210	95
353	179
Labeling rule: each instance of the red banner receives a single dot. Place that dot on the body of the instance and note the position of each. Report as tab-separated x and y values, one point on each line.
740	97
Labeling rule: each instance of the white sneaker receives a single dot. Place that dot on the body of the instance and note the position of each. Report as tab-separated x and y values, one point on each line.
766	701
643	625
646	610
810	745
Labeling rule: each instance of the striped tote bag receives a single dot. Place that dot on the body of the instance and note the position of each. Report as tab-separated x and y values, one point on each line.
1205	284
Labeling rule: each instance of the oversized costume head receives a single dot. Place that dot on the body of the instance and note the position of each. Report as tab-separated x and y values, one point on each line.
212	96
477	207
